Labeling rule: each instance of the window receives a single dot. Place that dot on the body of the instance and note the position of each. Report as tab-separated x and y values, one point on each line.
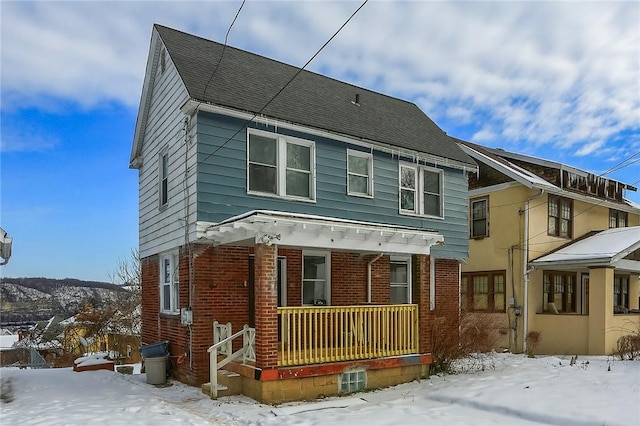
352	381
560	216
169	279
280	166
480	218
483	291
617	219
163	179
620	294
420	190
315	278
359	173
400	277
559	292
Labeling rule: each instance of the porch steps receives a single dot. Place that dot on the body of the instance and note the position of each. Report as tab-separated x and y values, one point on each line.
229	383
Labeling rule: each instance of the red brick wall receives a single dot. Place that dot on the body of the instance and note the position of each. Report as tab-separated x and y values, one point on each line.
266	274
420	272
380	279
348	279
294	275
219	293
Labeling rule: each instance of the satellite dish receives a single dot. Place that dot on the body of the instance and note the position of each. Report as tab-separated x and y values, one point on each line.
83	342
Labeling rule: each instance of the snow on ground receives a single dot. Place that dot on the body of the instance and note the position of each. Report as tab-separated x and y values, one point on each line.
501	389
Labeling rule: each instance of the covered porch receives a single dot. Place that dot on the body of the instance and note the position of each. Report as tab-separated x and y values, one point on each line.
585	296
309	332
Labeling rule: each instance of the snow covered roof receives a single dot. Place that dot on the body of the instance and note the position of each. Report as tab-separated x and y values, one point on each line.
505	162
605	248
515	172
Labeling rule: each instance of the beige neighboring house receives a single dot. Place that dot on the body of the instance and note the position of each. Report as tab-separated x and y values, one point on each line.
552	249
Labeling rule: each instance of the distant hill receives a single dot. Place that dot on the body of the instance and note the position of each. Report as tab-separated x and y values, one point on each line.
25	300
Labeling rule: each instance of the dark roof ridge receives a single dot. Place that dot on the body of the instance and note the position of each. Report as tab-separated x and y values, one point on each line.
237	49
246	81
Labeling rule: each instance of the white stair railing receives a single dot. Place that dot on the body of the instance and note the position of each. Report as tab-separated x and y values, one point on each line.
223	343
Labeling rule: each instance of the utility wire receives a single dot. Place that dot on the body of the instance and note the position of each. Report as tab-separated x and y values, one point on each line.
224	47
574	216
619	166
287	84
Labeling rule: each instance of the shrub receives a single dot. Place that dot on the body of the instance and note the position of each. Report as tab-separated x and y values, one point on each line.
454	337
629	346
533	339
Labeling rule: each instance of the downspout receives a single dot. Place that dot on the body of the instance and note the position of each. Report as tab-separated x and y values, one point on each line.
432	282
186	129
371	262
525	270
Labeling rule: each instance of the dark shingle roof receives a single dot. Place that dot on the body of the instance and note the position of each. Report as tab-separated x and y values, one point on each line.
247	82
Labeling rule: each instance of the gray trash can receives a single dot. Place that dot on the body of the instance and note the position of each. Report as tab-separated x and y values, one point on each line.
156	369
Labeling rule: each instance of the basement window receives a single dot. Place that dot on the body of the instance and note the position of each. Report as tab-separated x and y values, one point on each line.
352	381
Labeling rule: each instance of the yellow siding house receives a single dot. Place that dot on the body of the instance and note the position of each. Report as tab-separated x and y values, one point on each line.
552	249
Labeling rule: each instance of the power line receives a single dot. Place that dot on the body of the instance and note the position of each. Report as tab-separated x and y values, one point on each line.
620	165
224	47
288	82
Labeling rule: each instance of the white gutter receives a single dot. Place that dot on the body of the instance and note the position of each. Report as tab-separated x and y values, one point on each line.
369	275
525	270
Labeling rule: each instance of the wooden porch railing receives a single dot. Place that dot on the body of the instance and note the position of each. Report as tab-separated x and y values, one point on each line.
310	335
223	339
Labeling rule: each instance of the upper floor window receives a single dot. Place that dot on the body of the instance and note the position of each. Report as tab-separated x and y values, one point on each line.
617	219
620	294
280	165
480	218
163	60
163	179
420	190
359	173
400	280
316	282
559	292
560	216
169	280
483	291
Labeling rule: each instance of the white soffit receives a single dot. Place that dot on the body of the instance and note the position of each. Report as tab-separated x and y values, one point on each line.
309	231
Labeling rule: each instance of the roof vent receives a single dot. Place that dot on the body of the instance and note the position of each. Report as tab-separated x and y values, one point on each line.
357	101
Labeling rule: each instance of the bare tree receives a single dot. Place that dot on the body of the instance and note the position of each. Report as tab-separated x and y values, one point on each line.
128	272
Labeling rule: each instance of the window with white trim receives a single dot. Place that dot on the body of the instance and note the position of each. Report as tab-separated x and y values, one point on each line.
420	190
280	165
359	173
169	283
400	280
163	179
316	281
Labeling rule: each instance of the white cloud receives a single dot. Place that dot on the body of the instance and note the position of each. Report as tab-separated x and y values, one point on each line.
564	74
24	139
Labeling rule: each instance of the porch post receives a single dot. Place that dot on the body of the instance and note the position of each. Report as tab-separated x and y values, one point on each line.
421	297
634	291
600	309
266	297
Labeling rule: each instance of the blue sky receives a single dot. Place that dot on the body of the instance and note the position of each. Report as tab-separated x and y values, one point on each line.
559	80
